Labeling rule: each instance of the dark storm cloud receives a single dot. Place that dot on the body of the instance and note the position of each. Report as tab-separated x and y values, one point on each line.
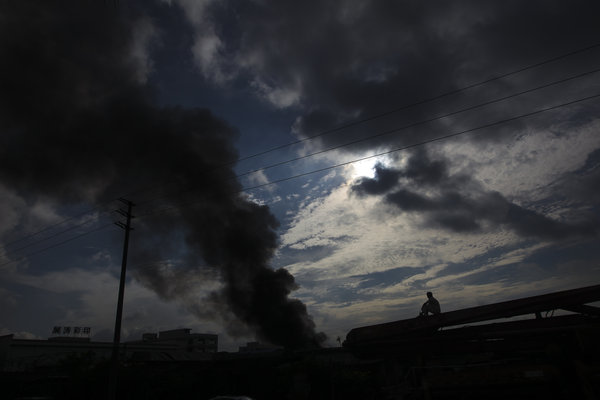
459	204
385	179
349	60
346	60
584	184
76	124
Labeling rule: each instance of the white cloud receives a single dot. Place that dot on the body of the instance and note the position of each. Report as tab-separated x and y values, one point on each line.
258	178
28	217
527	167
280	97
365	239
102	256
338	239
428	275
220	64
43	213
207	48
145	34
510	257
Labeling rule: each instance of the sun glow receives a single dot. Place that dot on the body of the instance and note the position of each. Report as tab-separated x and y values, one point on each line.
365	168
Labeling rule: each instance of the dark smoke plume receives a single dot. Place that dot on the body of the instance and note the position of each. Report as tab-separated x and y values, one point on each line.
78	124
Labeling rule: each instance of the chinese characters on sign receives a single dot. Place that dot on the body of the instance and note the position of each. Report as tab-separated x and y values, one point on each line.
72	330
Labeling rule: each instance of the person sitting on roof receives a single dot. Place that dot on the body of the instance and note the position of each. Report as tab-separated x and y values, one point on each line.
431	305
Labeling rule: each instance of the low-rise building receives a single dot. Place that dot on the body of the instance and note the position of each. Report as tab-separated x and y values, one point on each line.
25	354
183	339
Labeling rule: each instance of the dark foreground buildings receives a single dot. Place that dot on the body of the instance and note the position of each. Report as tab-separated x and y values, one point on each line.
547	349
520	349
27	355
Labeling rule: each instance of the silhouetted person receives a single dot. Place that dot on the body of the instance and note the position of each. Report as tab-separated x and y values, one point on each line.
431	305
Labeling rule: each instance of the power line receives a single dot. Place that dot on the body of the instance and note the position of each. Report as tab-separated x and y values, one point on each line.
54	225
56	245
422	143
437	139
401	108
367	119
53	235
432	140
411	125
420	102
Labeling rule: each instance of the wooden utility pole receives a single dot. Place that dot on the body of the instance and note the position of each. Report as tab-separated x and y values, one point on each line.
114	367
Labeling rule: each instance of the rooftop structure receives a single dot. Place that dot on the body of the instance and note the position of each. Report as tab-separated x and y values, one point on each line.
437	325
491	351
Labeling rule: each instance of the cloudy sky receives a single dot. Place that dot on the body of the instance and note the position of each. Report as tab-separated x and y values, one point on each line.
298	168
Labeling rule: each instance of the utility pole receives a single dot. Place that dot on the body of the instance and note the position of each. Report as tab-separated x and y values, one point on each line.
114	367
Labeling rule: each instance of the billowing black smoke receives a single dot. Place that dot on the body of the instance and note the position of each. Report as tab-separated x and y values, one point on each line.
78	124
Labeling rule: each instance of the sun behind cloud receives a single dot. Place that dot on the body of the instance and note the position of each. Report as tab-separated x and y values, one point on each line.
366	167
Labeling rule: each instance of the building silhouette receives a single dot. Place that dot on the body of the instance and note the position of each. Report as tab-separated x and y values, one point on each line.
178	344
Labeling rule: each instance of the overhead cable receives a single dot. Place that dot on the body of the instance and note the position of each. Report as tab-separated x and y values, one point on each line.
425	121
405	107
405	127
56	244
420	102
406	147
